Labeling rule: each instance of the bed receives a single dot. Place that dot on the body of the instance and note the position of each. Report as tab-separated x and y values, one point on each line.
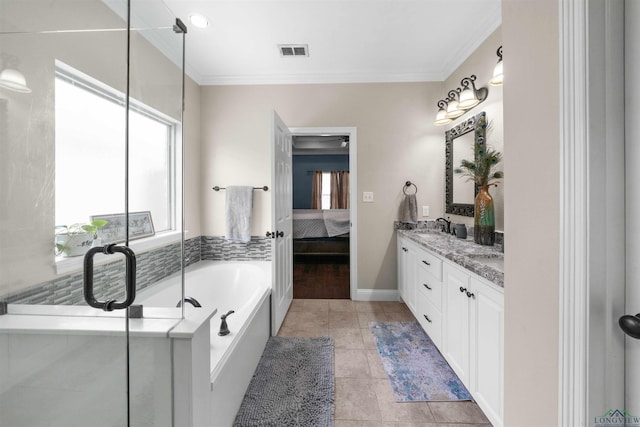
321	231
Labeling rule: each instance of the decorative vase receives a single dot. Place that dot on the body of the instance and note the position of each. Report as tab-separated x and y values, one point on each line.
484	222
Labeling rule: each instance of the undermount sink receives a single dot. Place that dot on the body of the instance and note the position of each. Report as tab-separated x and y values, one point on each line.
494	262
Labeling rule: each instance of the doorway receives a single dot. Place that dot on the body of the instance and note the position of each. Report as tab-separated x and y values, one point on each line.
603	387
324	236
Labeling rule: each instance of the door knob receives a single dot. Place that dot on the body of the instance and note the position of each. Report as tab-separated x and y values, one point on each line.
270	234
279	233
630	325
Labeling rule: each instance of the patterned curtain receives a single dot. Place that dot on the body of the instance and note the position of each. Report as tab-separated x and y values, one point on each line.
316	190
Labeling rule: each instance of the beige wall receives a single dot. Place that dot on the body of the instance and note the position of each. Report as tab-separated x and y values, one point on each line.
481	64
530	31
396	142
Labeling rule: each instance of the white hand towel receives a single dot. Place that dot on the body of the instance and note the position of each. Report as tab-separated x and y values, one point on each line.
239	206
409	209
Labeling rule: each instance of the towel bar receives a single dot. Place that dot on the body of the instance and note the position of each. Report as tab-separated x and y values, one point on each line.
265	188
407	185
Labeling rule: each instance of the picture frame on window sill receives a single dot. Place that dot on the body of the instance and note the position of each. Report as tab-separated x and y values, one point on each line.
140	225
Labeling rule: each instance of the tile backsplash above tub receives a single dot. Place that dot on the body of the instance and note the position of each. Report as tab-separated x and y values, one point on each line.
152	266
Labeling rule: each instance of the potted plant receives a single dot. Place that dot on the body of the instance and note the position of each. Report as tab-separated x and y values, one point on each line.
76	239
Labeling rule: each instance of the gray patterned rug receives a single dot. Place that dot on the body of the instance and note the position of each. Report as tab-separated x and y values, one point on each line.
292	386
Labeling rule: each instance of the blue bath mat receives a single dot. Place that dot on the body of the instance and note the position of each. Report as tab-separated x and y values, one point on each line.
416	369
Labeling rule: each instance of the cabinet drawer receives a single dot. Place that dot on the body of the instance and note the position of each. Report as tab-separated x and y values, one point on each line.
430	286
430	263
430	318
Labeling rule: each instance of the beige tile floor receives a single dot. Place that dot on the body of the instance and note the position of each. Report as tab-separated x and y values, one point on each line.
363	393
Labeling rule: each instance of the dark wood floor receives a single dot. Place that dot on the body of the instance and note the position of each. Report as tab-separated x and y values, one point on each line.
325	277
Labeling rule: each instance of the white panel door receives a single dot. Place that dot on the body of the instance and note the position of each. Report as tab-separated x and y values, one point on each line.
632	157
281	220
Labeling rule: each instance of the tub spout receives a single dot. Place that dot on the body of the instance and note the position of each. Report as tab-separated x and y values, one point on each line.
191	300
224	329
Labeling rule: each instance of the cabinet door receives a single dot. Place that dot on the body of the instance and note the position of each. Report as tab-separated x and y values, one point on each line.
430	318
402	260
456	336
407	273
487	323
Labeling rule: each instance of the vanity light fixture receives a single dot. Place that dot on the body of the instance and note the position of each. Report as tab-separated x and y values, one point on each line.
453	105
470	96
441	117
460	100
14	80
199	20
496	80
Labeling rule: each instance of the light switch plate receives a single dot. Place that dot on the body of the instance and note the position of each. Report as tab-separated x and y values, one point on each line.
425	211
367	196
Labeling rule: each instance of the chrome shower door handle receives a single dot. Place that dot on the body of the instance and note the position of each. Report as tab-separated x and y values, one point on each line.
130	259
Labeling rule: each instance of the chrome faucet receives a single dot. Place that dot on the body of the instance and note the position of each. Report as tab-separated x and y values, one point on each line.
446	227
224	328
191	300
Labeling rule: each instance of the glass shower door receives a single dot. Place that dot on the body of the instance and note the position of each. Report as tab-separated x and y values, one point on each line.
78	123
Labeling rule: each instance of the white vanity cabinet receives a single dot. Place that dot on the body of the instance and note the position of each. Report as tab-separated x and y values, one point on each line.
487	348
407	272
474	333
429	295
457	337
463	314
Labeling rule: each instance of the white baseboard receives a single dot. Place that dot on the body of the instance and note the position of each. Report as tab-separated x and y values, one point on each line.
377	295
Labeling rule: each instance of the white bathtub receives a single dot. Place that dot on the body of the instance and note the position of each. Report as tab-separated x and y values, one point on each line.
242	286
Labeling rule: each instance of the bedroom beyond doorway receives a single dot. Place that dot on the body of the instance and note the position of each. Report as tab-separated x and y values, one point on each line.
321	216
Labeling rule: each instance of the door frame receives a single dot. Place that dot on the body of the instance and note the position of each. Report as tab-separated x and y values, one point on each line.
353	193
588	285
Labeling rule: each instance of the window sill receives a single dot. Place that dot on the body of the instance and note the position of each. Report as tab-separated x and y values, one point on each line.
65	265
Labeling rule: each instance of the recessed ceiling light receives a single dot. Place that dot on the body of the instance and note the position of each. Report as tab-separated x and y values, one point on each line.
198	20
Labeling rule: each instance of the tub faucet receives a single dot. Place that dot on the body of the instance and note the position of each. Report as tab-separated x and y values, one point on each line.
224	329
191	300
446	227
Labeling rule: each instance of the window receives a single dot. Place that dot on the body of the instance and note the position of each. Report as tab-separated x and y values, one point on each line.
326	190
90	153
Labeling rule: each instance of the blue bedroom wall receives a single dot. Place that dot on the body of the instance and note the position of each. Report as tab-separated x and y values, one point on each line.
302	177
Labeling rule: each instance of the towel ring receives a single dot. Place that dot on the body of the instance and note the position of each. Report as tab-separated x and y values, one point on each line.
407	185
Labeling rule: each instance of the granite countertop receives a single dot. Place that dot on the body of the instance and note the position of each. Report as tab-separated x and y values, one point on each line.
485	261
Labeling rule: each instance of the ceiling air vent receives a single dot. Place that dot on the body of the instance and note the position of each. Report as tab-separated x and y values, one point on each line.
293	49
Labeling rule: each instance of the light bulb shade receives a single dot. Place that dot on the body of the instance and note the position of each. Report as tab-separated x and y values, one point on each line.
13	80
496	80
468	99
198	20
453	110
441	117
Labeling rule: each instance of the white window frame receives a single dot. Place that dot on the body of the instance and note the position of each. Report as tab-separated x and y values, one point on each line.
66	265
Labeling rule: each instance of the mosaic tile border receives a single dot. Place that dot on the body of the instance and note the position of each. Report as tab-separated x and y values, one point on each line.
217	248
152	266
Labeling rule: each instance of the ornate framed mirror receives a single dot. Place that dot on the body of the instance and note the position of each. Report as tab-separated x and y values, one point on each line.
460	144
